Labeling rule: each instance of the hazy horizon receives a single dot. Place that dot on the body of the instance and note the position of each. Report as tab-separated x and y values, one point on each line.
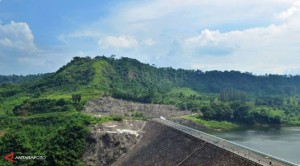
259	37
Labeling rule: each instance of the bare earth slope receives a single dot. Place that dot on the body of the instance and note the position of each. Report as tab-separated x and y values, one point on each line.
162	145
107	142
111	106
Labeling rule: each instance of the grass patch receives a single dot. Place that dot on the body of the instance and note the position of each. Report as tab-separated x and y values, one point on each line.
183	91
293	121
9	103
2	133
103	119
211	124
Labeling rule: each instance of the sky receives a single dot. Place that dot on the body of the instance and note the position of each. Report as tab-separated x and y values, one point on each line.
258	36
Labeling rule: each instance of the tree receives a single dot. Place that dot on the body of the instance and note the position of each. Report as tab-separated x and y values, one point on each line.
67	147
112	56
208	112
230	94
76	98
241	113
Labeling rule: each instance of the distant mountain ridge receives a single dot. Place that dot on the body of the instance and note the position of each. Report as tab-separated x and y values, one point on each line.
21	79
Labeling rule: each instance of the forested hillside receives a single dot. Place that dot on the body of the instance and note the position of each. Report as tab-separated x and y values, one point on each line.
21	79
129	78
31	105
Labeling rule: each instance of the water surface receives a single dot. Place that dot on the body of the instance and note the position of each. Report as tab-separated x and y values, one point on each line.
281	142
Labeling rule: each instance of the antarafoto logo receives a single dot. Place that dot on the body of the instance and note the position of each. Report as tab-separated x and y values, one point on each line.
10	157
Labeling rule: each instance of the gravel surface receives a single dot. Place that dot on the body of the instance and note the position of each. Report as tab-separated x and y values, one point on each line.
111	106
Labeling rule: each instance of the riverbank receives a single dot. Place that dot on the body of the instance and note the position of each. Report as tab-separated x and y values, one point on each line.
210	124
214	125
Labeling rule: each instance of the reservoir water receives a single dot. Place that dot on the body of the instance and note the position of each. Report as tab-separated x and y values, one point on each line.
281	142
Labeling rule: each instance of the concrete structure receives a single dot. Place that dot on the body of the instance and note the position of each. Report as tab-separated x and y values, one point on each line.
162	145
245	152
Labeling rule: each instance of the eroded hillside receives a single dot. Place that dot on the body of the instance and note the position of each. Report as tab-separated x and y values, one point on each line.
107	142
111	106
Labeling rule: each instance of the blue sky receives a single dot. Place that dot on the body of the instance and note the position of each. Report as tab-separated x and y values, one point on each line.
261	36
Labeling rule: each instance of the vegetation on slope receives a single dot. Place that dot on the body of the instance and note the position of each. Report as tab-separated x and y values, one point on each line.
60	137
211	124
40	114
22	79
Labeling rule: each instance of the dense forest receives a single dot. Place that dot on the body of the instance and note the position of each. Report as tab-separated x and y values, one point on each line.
39	112
126	73
21	79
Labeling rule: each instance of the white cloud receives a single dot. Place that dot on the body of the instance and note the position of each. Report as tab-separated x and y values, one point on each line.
149	42
80	34
118	42
6	42
236	38
290	12
16	36
259	36
18	52
206	37
170	15
271	49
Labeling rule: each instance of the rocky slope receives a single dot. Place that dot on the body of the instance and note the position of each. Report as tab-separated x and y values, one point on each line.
111	106
107	142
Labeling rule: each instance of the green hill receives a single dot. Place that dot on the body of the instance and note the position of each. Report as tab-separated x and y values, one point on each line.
37	111
130	79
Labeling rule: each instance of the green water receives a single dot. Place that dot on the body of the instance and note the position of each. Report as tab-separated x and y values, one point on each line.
280	142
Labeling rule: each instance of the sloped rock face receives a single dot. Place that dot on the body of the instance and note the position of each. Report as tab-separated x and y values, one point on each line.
111	106
107	142
104	149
